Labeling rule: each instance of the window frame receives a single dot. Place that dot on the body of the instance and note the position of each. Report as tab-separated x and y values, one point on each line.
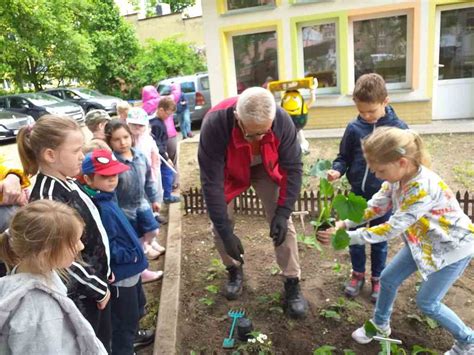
299	29
224	9
251	31
409	63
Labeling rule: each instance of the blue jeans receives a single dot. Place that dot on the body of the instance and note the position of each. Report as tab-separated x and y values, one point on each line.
167	177
378	253
429	297
184	119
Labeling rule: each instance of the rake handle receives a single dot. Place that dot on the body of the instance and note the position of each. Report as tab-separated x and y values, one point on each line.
233	326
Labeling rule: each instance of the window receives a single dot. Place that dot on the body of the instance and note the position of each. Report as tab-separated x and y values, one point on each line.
69	95
319	54
3	103
255	58
381	46
204	81
18	102
55	93
456	47
243	4
187	87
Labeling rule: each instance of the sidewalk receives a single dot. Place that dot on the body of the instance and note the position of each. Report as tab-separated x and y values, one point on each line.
436	127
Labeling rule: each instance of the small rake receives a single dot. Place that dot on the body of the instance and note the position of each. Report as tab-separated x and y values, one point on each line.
229	342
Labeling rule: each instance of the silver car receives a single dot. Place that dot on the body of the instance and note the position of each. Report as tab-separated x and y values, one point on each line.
196	91
39	104
11	122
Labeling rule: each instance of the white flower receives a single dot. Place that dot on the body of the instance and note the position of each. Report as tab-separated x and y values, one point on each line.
264	337
253	341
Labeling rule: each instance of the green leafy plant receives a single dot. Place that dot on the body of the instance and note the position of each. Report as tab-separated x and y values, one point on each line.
394	349
337	309
216	268
258	343
350	207
431	323
324	350
309	241
273	301
207	301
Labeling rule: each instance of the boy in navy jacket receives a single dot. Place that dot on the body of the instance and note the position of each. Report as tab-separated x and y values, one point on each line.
101	169
371	99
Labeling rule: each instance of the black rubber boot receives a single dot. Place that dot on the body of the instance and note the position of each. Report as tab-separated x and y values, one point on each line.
295	304
233	288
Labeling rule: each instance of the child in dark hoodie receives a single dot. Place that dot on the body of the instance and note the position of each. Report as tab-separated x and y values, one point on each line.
371	99
101	169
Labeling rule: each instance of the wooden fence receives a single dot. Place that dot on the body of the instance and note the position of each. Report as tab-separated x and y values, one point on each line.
248	202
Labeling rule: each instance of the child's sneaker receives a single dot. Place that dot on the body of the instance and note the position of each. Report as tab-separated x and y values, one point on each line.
172	199
355	284
150	253
360	336
374	295
143	337
150	276
155	245
461	349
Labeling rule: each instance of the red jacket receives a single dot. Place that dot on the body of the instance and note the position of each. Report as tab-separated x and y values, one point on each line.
225	156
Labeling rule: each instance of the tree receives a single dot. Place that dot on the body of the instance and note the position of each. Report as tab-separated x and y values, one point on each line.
40	40
175	5
115	45
179	5
164	59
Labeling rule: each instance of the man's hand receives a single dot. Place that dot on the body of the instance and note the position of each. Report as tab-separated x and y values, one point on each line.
278	229
333	175
233	247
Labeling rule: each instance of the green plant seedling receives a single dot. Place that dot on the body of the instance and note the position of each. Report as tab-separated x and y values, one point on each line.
212	289
330	314
349	352
310	241
274	270
324	350
390	346
340	240
207	301
337	267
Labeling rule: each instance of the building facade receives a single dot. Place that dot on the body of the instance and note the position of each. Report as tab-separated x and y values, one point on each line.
424	50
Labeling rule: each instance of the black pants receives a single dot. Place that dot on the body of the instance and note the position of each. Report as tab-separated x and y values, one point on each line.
100	320
128	306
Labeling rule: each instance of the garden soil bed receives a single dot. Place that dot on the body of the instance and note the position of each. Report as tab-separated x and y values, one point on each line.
202	327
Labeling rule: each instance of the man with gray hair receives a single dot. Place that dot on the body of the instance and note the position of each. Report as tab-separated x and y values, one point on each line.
248	141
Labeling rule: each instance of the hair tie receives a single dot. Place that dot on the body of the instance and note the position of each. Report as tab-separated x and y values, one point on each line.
29	128
401	150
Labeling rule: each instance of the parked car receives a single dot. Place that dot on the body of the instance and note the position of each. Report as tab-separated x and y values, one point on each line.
11	122
88	99
196	91
39	104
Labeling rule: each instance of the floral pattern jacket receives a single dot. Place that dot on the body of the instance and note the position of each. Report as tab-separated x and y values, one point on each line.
427	215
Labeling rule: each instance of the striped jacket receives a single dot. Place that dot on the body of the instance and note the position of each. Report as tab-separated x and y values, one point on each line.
88	279
427	215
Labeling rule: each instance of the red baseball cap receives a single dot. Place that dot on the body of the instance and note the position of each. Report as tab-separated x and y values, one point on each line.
102	162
